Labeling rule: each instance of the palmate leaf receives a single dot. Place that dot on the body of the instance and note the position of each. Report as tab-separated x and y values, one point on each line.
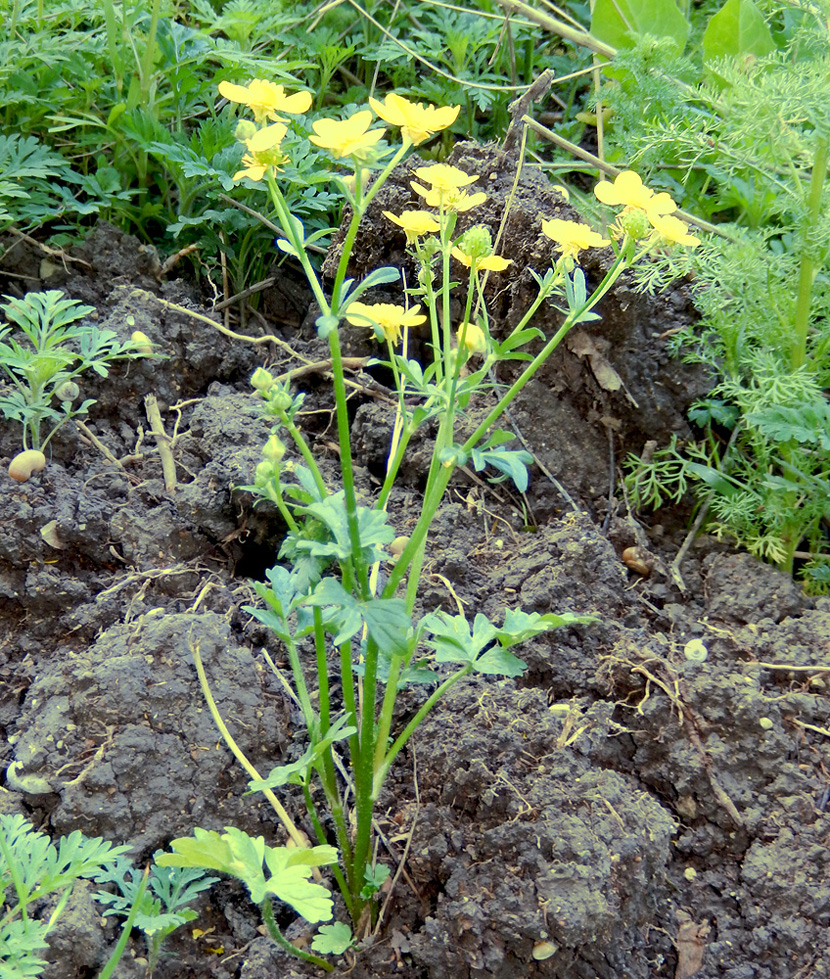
455	642
484	646
234	852
386	619
373	530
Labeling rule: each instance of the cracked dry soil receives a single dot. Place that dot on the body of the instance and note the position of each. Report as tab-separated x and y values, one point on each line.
619	812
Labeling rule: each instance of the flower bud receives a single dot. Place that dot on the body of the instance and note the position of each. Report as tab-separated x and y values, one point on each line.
245	130
274	450
262	381
142	343
634	222
473	337
454	456
477	242
264	474
68	391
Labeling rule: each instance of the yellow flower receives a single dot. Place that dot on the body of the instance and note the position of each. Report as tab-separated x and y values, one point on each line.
490	263
443	177
628	190
473	337
347	137
446	187
418	122
451	200
673	229
387	317
571	237
263	152
265	99
414	223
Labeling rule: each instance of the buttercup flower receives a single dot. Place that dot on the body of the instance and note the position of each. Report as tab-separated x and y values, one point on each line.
414	223
347	137
628	190
391	319
446	190
473	336
571	238
263	152
444	177
418	122
490	263
265	99
673	229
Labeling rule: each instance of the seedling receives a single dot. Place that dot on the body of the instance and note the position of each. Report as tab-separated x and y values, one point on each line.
161	909
31	868
43	347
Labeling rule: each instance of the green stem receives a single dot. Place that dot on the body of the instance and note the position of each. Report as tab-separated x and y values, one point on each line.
322	670
320	833
573	317
359	205
364	772
149	54
342	411
267	910
411	727
287	224
300	684
118	951
807	270
305	452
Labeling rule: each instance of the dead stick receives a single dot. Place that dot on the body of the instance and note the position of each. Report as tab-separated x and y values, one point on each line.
168	464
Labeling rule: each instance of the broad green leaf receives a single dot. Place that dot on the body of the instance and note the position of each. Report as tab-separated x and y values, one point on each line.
498	661
616	21
736	30
452	639
389	624
373	530
807	424
242	856
332	939
519	626
712	477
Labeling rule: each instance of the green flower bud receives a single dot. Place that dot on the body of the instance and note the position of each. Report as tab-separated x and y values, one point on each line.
245	130
477	242
634	222
274	450
262	381
264	474
279	399
68	391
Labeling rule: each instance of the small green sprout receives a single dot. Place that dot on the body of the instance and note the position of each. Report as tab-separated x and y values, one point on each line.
163	906
44	346
32	867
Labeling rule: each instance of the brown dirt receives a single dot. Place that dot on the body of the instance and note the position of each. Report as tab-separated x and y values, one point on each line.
642	814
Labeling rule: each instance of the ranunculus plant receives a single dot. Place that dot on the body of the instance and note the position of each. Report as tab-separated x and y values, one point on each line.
324	600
